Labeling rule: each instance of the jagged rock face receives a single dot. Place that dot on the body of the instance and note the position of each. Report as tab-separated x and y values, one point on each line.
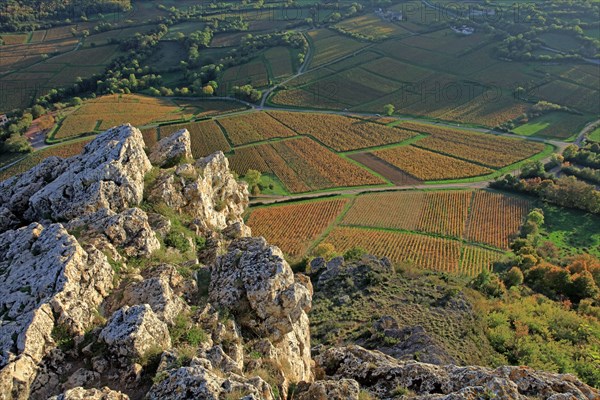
132	331
382	374
80	393
343	389
255	282
200	381
47	279
162	290
16	191
172	150
108	174
128	231
207	190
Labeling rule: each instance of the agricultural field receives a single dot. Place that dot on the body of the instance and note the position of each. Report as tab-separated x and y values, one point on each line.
421	251
429	166
492	151
444	213
254	127
342	133
254	72
475	260
111	110
330	46
304	223
31	81
206	137
557	125
451	227
370	25
61	150
496	218
302	165
595	135
279	62
388	171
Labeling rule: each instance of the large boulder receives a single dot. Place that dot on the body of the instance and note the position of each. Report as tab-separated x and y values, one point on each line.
200	381
382	375
172	150
109	173
47	282
132	331
162	290
257	285
127	232
343	389
80	393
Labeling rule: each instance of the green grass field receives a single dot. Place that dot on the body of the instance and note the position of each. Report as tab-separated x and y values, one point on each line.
573	232
595	135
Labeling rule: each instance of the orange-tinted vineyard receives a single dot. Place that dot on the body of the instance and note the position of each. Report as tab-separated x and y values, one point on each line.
444	213
420	250
394	210
429	166
342	133
294	227
254	127
475	260
302	165
493	151
150	137
61	150
206	137
495	218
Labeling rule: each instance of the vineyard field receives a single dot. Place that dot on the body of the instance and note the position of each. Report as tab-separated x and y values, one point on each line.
294	227
61	150
444	213
419	250
496	218
299	164
111	110
342	133
254	127
475	260
206	137
492	151
429	166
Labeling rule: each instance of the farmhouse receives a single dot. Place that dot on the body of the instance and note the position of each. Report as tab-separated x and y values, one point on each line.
3	119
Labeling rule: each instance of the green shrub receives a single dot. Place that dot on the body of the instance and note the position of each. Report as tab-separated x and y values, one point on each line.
177	240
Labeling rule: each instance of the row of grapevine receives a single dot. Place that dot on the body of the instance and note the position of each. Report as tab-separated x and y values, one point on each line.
294	227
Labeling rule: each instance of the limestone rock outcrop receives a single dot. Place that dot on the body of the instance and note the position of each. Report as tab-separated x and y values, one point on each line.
80	393
343	389
200	381
257	285
128	231
109	173
48	282
132	331
382	374
172	150
206	190
163	290
15	192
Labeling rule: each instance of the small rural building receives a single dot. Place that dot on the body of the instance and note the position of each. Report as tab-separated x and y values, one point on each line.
3	119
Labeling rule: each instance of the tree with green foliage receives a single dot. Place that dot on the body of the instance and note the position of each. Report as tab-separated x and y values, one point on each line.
514	277
17	143
324	250
389	109
253	177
